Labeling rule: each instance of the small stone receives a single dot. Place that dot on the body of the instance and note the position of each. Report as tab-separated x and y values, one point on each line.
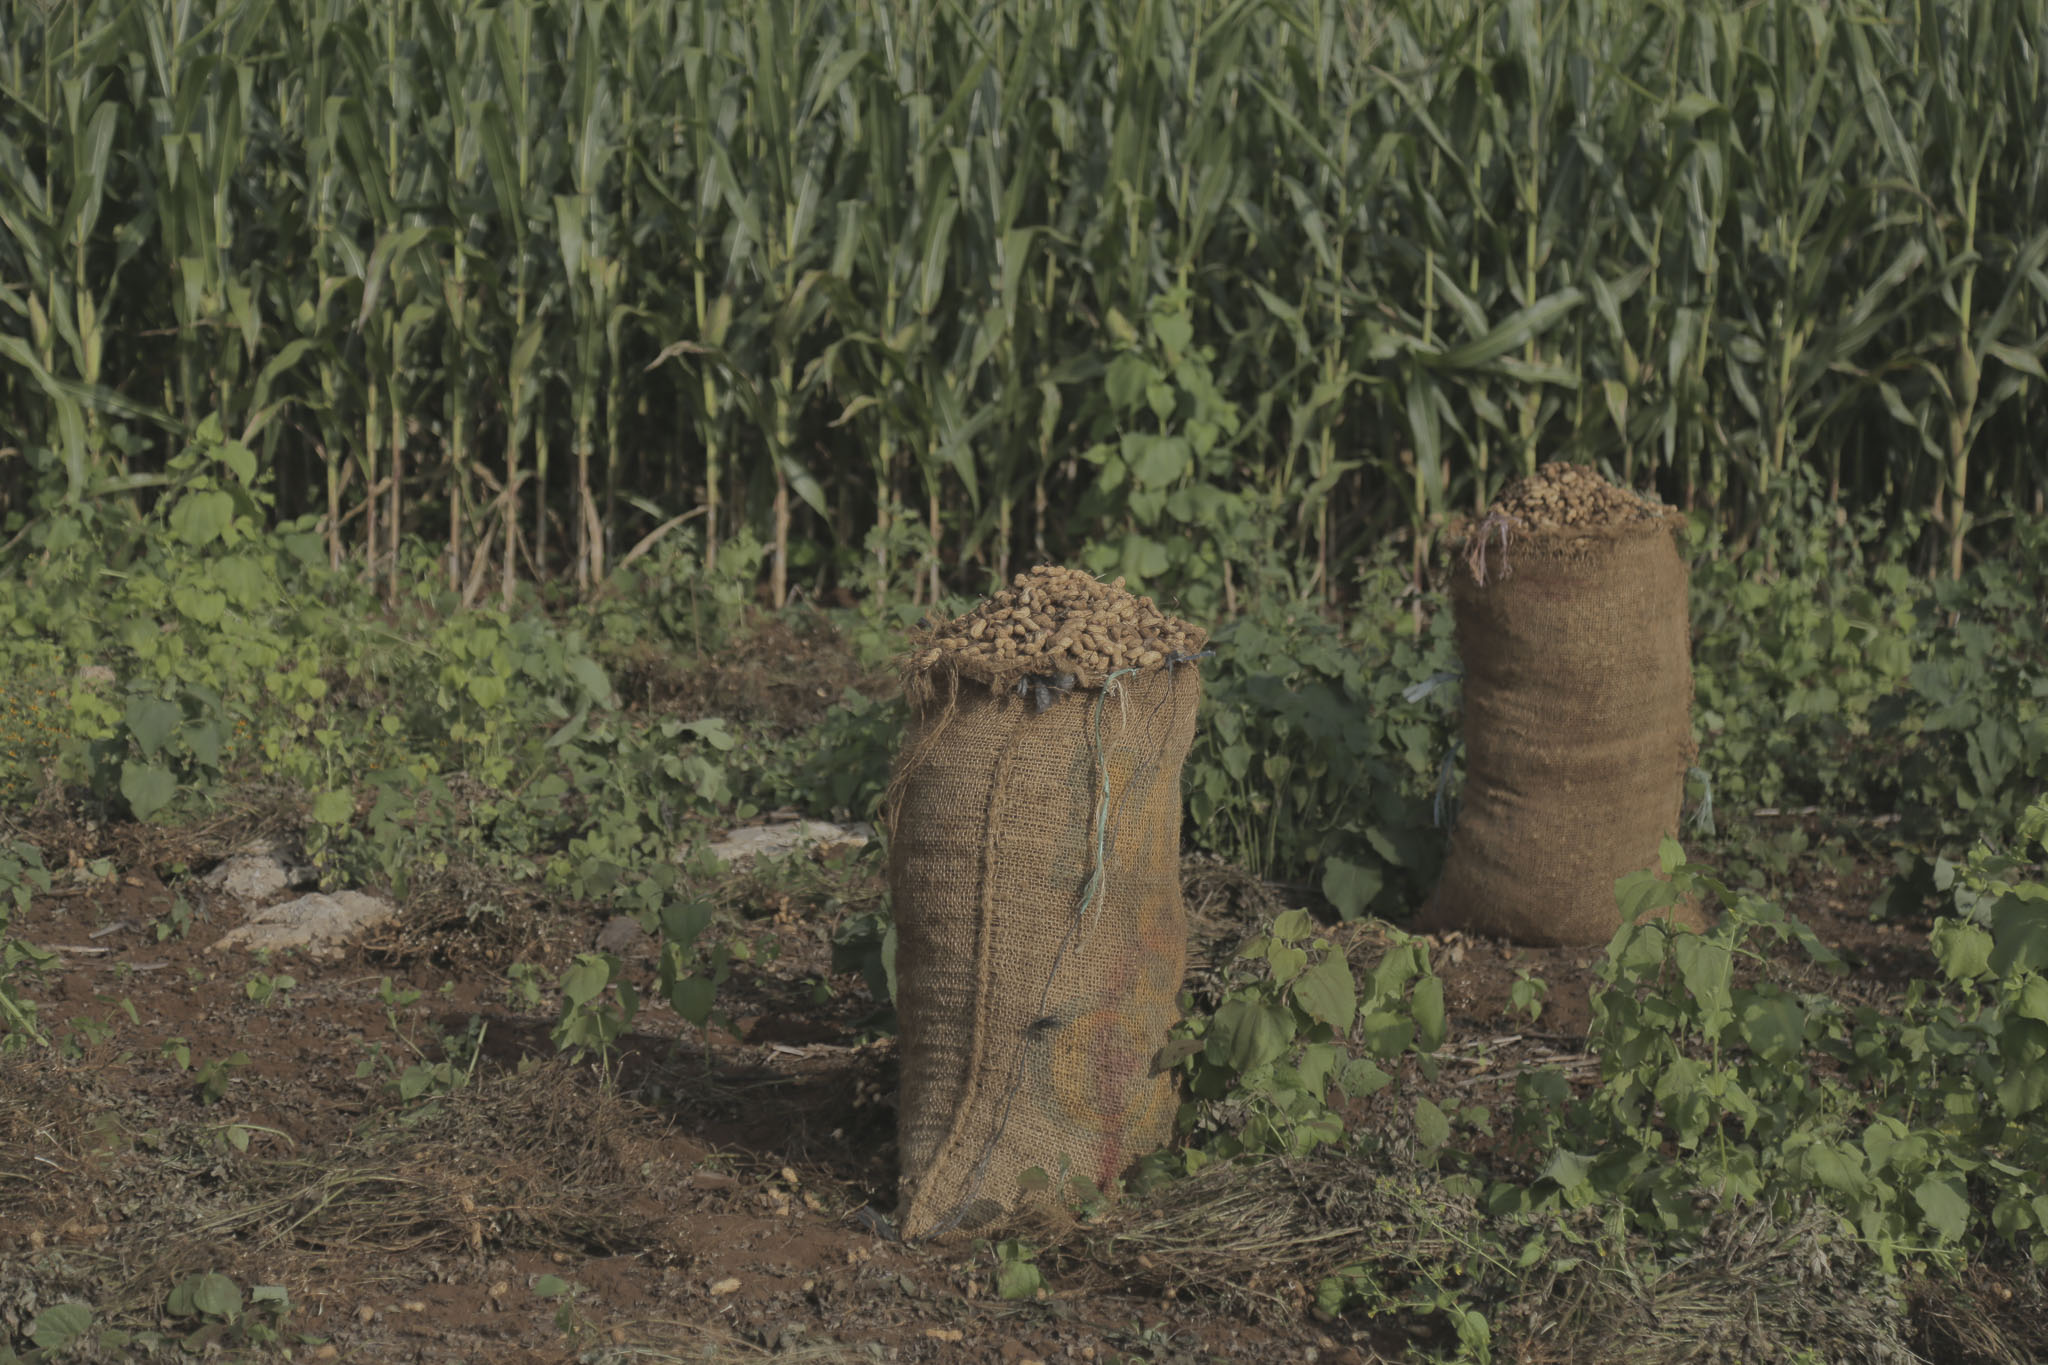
623	937
321	924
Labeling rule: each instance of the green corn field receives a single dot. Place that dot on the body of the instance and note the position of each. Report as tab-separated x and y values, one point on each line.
906	293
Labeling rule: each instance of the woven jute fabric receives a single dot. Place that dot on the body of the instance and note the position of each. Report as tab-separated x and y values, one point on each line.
1577	724
1034	865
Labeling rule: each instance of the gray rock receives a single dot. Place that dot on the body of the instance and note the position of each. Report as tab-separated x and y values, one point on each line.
251	876
321	924
779	840
623	937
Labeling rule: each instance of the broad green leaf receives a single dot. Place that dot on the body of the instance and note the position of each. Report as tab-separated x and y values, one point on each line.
1156	461
1567	1170
713	731
1291	926
1315	1066
1706	966
1427	1004
1432	1128
147	788
201	606
683	921
57	1326
152	721
586	978
692	998
1327	993
486	690
240	459
1246	1035
1963	950
1349	887
1286	962
1174	332
1360	1078
1385	1033
336	807
1837	1167
242	578
217	1297
1643	893
590	676
200	519
1944	1205
1774	1026
2023	1051
2019	932
1127	378
1018	1280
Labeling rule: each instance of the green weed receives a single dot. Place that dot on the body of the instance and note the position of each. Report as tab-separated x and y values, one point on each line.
1920	1125
22	874
1259	1069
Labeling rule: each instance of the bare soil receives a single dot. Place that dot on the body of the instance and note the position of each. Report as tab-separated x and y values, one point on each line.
705	1197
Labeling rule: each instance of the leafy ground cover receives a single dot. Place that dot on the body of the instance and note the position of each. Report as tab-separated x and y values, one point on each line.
394	1154
595	1096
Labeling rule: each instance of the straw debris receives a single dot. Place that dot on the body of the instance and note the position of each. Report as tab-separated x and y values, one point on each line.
1748	1289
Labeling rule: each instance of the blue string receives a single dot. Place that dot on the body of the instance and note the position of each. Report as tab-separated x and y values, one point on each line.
1703	818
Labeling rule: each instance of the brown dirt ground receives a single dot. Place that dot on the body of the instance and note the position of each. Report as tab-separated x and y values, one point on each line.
783	674
706	1199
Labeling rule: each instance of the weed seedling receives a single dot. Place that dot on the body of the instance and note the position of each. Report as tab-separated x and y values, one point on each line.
210	1080
212	1306
1527	995
424	1075
176	923
523	985
262	989
575	1327
1017	1276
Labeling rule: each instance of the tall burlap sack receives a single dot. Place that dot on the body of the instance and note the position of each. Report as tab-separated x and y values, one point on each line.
1574	628
1034	864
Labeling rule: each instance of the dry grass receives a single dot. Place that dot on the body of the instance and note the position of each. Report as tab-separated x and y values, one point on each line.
535	1159
1256	1239
243	815
1754	1292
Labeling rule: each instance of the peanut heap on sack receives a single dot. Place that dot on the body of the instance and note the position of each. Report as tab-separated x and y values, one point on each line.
1054	629
1566	509
1560	496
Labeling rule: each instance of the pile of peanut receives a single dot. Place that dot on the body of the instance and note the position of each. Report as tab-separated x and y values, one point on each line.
1060	622
1561	495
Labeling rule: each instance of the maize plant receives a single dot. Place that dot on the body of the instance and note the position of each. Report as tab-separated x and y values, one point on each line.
1212	293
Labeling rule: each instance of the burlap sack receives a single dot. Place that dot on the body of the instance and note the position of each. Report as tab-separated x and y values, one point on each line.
1573	625
1034	863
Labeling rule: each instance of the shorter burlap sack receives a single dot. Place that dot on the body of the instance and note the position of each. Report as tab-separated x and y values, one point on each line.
1034	866
1574	629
